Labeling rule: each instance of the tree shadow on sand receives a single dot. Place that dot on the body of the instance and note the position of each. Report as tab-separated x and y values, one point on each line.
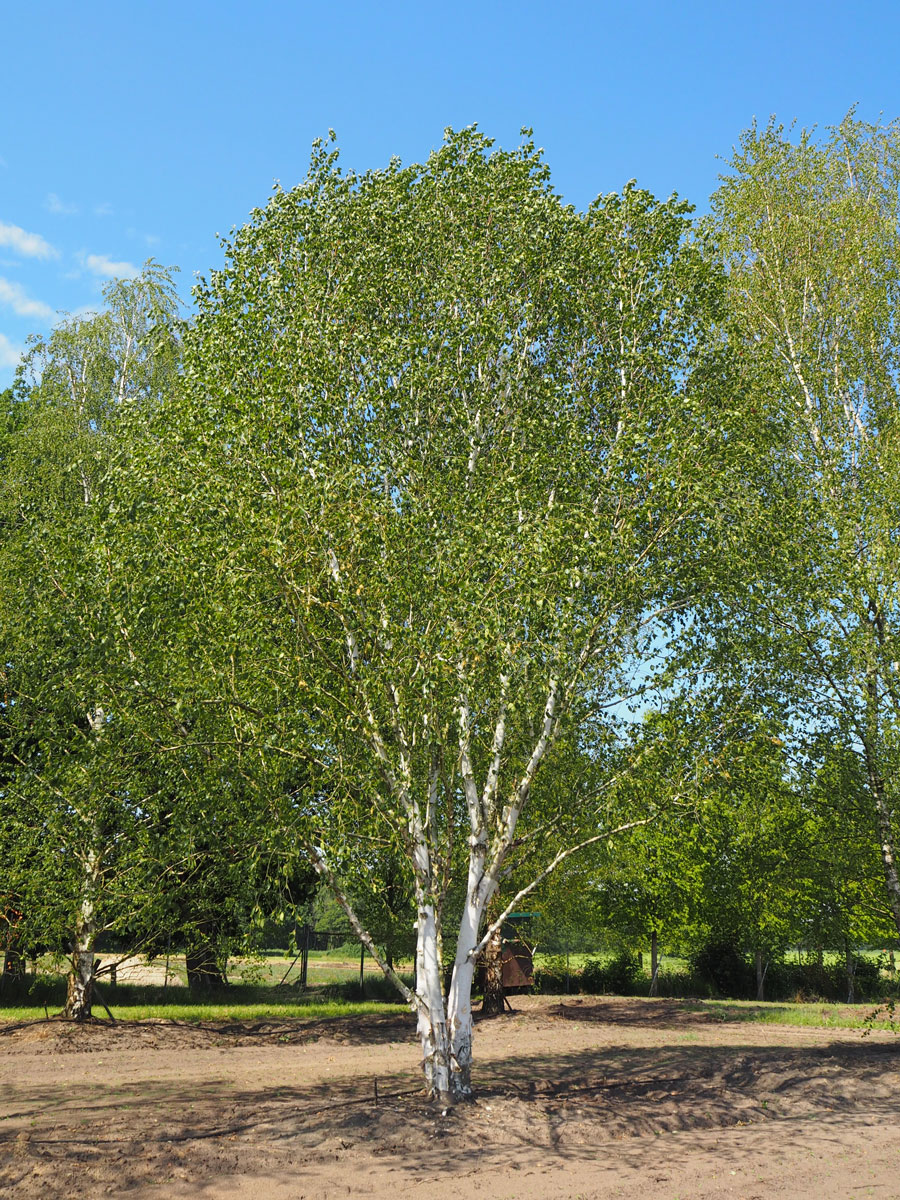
556	1106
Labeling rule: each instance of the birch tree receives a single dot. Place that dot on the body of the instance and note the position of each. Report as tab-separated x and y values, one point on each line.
63	636
450	450
810	232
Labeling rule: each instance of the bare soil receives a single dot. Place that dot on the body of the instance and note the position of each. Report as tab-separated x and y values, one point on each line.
579	1098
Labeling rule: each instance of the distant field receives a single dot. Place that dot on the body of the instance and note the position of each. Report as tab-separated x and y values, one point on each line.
269	968
258	988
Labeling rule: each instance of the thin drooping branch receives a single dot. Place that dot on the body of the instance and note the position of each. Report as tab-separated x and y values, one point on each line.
539	879
470	787
320	866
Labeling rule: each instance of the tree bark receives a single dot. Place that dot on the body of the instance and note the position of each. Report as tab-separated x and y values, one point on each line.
491	960
203	971
850	967
654	963
459	1010
886	844
80	986
493	998
883	812
432	1020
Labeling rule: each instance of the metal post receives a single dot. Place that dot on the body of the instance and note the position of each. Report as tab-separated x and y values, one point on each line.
304	958
362	967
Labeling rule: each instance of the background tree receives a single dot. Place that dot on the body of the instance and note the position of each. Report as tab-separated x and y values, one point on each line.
74	817
810	234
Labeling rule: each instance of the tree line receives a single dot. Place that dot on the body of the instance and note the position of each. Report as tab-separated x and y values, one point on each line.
458	539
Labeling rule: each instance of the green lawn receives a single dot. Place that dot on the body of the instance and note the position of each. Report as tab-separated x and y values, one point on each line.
219	1011
333	990
819	1016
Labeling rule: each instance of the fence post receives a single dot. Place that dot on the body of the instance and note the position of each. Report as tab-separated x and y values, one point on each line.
304	957
362	967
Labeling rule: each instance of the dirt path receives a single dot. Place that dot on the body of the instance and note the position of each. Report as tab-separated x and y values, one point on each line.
610	1098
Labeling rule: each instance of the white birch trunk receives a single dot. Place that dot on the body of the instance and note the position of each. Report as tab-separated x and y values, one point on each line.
79	992
80	987
432	1022
459	998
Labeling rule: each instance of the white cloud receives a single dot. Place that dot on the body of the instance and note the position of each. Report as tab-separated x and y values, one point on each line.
32	245
103	210
9	354
60	207
100	264
15	296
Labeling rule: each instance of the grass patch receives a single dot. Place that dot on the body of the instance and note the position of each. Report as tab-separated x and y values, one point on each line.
313	1011
816	1016
30	998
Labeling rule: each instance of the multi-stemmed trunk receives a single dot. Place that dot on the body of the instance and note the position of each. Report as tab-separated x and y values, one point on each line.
445	1027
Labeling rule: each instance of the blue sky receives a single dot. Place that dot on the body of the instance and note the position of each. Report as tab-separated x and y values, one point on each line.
131	130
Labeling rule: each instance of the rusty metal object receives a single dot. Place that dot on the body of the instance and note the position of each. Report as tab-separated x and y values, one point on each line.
518	965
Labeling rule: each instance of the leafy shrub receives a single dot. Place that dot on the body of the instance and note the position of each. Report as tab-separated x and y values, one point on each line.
722	967
376	987
624	973
592	978
621	975
680	983
552	977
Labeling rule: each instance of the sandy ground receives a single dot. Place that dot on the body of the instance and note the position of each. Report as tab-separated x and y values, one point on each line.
577	1099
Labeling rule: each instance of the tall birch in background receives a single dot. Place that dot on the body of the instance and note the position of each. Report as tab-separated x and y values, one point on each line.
70	809
810	233
445	461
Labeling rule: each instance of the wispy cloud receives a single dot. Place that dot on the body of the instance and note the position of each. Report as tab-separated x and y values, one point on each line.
103	210
32	245
15	297
3	162
55	205
149	239
9	354
106	268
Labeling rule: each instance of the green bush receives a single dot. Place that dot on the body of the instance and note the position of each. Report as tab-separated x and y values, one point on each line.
592	977
721	966
552	976
624	973
621	975
375	987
